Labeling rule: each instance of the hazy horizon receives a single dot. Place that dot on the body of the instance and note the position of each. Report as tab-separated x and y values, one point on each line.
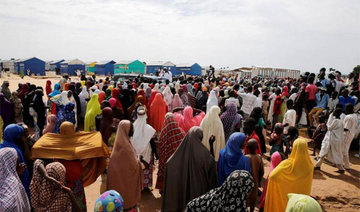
301	34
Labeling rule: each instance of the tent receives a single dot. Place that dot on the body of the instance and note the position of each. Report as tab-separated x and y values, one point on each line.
194	69
129	66
104	67
70	66
30	66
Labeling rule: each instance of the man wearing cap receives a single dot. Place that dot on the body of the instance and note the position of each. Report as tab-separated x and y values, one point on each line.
322	99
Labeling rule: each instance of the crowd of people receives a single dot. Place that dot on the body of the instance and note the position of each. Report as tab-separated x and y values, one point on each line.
208	137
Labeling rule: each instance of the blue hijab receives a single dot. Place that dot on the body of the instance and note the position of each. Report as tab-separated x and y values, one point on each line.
56	90
11	133
231	157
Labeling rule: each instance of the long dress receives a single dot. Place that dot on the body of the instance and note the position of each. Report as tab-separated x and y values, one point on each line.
332	143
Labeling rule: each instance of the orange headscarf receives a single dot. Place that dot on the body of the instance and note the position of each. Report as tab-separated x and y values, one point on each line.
66	86
101	96
158	110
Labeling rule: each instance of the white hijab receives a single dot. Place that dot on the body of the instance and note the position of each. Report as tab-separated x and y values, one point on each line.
212	125
168	96
142	136
212	101
84	94
64	98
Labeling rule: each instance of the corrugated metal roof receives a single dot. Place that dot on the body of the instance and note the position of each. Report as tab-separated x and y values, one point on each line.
73	62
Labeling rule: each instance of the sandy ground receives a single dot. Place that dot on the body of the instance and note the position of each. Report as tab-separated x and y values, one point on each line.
334	191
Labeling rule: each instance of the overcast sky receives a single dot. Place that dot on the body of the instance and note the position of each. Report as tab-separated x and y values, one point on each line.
299	34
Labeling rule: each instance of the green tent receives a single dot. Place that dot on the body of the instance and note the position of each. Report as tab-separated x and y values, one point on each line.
128	67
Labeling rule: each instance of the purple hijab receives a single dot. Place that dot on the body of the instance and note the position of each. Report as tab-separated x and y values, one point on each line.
230	118
6	111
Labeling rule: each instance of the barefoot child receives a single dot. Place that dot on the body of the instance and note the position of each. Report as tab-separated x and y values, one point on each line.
257	172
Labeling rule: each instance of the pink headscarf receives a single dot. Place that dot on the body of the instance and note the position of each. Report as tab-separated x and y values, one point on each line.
176	102
112	101
51	120
187	121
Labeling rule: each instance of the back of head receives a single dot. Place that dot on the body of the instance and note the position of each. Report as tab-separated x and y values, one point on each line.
252	146
67	128
303	203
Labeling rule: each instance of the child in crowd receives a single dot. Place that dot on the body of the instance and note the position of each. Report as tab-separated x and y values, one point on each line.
257	172
319	134
276	139
332	102
290	116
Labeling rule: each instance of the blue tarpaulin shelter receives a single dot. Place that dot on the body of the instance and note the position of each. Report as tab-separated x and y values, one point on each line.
30	66
104	67
70	67
194	69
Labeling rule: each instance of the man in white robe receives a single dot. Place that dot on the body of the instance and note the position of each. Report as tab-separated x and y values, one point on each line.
332	145
350	127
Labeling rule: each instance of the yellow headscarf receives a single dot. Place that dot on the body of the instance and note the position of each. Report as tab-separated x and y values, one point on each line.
82	83
300	202
70	145
92	110
293	175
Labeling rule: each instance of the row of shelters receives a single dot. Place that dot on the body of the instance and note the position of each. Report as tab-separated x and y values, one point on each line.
36	66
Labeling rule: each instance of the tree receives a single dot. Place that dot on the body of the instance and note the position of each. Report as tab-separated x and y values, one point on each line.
356	70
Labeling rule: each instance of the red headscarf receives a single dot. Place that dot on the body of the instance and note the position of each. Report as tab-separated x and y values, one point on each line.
157	112
48	87
141	92
101	96
285	91
66	86
24	90
187	121
115	94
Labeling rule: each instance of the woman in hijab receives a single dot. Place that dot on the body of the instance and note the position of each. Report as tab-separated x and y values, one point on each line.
47	190
75	100
184	97
51	123
232	158
212	101
48	87
230	196
187	120
83	154
115	95
92	110
106	124
293	175
212	127
14	138
108	94
6	111
183	180
142	93
143	133
158	110
40	109
274	162
170	138
231	120
18	107
257	115
201	99
140	100
303	203
78	88
125	173
55	92
101	96
12	192
5	90
23	91
148	94
83	96
176	102
168	96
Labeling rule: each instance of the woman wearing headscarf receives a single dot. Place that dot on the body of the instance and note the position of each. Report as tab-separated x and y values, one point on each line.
183	180
48	88
125	173
213	127
108	94
47	192
55	92
83	96
92	110
23	91
231	120
303	203
106	124
143	133
14	138
274	162
168	96
293	175
212	101
184	97
141	92
83	154
187	120
115	94
6	111
232	158
78	88
51	123
12	192
18	107
40	109
140	100
170	138
230	196
148	92
101	96
75	100
66	86
5	90
176	102
201	99
157	113
257	115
